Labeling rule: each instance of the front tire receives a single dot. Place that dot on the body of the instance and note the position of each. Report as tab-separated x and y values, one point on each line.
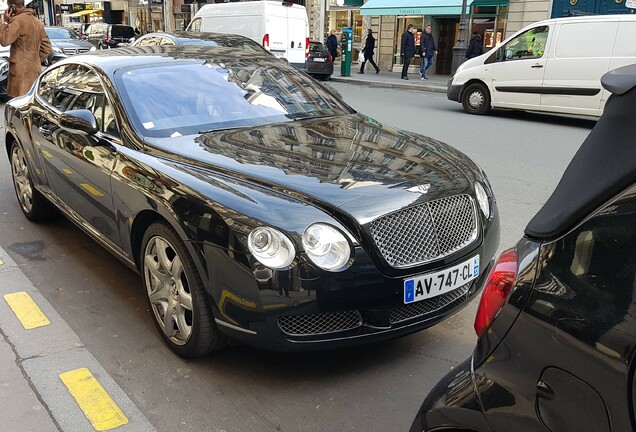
476	99
176	295
32	203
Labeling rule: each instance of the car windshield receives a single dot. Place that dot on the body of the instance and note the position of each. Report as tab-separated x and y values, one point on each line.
214	96
317	47
60	33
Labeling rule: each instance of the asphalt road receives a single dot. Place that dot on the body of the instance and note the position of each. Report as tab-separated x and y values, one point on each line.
373	388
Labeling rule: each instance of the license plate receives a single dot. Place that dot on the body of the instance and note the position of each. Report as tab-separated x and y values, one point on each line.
433	284
279	54
319	59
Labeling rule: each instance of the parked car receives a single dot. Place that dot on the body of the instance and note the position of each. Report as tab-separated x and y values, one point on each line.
557	319
200	39
253	201
104	36
79	28
319	63
65	42
4	76
551	66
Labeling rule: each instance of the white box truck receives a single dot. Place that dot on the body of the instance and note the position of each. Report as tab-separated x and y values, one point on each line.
551	66
281	27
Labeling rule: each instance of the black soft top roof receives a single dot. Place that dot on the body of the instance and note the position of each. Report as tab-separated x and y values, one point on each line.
604	166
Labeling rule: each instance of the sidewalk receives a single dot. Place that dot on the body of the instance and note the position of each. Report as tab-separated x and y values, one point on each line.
49	381
386	79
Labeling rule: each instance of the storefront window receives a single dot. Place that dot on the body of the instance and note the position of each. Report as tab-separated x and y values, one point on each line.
489	20
348	18
402	24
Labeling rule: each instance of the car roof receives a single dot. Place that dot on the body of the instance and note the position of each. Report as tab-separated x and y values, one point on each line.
113	59
603	167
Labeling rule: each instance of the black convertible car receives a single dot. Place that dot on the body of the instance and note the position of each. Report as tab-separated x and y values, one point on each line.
557	320
255	204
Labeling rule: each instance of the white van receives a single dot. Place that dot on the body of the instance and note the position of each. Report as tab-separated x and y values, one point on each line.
281	27
553	66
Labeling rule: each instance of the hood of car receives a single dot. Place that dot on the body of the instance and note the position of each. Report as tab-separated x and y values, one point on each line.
349	163
70	43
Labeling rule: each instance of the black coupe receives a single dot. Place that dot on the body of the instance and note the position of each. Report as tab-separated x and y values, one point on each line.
557	320
255	204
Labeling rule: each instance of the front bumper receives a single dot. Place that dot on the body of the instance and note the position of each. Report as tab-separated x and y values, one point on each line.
453	404
453	91
307	309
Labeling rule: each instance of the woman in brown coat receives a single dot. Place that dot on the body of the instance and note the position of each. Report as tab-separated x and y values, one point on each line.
29	46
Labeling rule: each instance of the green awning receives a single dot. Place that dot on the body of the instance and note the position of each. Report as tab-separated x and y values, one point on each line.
353	2
413	7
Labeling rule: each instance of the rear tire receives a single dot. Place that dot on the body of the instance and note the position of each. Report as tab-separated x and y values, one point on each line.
476	99
178	301
324	77
32	203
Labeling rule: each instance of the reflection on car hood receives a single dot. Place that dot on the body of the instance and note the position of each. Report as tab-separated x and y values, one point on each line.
70	43
333	162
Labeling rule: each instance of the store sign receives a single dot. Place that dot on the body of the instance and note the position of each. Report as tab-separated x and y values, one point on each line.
78	7
353	2
410	11
65	7
185	9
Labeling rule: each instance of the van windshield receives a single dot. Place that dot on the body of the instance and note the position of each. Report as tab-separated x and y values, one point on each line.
219	96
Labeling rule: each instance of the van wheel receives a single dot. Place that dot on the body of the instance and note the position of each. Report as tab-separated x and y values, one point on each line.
176	295
476	99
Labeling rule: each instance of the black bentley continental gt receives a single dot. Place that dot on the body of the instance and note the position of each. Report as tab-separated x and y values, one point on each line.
254	203
557	319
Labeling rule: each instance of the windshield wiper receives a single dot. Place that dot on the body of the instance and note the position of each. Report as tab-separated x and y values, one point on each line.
221	129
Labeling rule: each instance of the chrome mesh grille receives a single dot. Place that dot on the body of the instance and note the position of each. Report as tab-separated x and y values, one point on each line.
71	51
317	324
424	307
426	232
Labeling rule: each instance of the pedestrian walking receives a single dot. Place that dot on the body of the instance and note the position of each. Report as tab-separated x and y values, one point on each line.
369	47
475	46
29	46
332	44
407	50
427	51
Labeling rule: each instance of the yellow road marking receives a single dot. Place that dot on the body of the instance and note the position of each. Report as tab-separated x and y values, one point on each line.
38	143
47	154
91	189
28	153
67	171
1	262
97	405
25	309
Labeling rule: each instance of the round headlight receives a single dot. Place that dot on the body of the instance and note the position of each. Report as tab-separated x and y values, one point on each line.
271	247
326	247
482	199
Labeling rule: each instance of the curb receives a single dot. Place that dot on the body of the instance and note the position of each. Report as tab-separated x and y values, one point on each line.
39	349
384	84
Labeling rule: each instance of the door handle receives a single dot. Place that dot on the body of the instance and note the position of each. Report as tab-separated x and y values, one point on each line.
536	66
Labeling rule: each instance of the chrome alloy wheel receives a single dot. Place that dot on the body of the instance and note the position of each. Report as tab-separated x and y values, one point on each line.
476	99
168	290
21	180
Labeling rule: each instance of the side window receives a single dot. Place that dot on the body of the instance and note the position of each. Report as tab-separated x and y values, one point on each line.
89	95
195	25
46	88
530	44
65	86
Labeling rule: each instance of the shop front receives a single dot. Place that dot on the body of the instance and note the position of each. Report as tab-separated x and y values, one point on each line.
342	14
392	21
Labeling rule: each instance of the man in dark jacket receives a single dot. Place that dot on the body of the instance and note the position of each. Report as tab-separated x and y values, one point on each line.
407	50
369	46
332	44
475	47
428	50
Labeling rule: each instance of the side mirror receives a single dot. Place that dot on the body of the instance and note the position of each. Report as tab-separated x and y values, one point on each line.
82	121
509	54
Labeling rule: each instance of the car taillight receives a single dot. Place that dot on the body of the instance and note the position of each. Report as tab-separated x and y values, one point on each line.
330	58
306	47
498	288
107	38
266	41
